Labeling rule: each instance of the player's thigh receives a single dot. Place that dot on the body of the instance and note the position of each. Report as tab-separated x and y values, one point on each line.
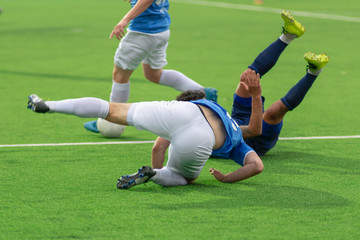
163	118
157	56
275	113
190	149
132	50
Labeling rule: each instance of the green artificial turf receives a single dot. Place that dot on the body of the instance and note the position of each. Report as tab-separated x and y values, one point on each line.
60	49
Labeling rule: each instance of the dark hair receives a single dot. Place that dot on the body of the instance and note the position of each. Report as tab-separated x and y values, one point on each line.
191	95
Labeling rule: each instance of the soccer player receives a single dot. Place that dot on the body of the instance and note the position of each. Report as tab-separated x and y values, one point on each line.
272	119
146	41
195	129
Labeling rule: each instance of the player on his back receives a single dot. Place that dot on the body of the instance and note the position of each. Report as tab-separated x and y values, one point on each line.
145	42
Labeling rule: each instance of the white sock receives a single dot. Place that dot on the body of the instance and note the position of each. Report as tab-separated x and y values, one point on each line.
81	107
179	81
314	72
287	37
120	92
167	178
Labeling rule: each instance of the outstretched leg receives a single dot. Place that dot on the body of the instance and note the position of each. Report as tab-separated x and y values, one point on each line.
276	112
83	107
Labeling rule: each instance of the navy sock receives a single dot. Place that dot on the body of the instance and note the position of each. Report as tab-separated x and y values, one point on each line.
267	58
297	93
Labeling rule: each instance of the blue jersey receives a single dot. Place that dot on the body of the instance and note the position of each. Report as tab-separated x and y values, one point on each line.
234	147
154	19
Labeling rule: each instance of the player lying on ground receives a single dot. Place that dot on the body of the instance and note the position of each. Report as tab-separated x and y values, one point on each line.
145	42
195	129
273	116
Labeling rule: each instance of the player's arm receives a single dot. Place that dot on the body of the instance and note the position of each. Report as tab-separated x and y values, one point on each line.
158	152
250	82
138	8
252	166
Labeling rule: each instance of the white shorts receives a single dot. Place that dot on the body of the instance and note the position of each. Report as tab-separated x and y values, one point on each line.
182	123
136	47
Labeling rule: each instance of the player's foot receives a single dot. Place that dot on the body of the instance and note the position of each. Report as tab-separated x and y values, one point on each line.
37	104
258	2
142	176
91	126
291	25
316	62
211	94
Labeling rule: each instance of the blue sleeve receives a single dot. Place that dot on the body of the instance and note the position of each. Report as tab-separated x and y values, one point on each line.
240	153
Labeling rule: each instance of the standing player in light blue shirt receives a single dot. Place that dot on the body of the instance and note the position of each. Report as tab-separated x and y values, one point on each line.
145	42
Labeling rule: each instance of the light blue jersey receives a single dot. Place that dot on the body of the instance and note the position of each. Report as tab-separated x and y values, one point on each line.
234	147
154	19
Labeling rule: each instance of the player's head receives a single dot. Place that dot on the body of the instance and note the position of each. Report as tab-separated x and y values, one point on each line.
191	95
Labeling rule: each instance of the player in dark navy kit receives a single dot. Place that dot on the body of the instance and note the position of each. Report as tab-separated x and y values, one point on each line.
273	116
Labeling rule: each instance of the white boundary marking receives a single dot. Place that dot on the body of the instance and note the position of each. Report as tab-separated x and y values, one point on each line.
323	137
269	10
74	144
146	142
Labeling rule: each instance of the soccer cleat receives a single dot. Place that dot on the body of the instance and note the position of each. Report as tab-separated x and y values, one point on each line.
91	126
142	176
291	25
211	94
37	104
316	62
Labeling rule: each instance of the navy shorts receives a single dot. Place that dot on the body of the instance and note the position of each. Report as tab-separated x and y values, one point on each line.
241	112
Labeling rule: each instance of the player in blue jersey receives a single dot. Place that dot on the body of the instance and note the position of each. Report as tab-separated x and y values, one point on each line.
195	129
242	105
145	42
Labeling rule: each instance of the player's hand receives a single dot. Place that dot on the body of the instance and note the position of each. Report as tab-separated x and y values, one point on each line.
250	80
217	174
118	30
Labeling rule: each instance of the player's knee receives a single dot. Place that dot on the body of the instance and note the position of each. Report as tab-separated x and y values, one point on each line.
275	114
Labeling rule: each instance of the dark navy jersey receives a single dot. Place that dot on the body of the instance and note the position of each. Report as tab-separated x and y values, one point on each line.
241	113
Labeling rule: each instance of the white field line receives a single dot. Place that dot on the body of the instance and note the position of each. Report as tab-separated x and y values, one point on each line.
74	144
324	137
269	10
146	142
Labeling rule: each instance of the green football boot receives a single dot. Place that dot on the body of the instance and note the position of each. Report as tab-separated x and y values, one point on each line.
316	62
291	25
